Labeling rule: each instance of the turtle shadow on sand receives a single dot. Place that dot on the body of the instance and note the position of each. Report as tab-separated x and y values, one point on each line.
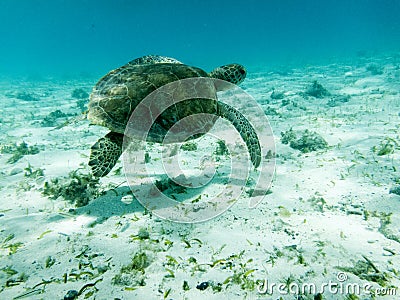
110	204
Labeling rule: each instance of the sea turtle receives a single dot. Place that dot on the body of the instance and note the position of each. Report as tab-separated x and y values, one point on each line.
119	92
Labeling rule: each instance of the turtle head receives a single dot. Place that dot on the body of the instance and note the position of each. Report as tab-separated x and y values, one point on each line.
233	73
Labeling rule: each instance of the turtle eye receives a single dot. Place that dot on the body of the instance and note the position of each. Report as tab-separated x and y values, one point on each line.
242	71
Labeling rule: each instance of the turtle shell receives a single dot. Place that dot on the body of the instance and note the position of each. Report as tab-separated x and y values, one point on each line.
118	93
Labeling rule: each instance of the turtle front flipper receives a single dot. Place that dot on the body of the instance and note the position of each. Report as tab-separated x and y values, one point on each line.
105	153
245	129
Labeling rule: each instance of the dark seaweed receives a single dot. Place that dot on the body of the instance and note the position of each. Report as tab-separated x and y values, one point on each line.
77	188
79	94
222	149
338	100
309	141
27	96
167	183
189	146
317	90
375	69
395	190
18	151
277	95
51	119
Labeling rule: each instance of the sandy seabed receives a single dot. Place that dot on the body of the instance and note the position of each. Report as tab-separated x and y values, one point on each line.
328	229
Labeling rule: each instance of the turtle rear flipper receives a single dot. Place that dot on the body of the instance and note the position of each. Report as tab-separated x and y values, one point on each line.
245	129
105	153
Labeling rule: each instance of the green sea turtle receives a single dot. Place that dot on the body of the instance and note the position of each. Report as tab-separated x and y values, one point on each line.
119	92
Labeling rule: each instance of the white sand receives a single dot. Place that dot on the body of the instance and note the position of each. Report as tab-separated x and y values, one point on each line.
312	224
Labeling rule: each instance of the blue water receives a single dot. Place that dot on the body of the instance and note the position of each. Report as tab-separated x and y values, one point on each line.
75	37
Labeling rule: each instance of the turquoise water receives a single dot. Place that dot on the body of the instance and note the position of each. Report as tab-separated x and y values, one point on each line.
87	37
322	94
